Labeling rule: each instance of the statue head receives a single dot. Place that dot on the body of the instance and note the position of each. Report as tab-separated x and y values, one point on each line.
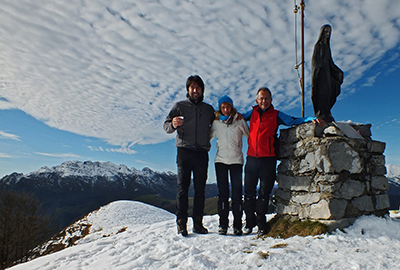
325	33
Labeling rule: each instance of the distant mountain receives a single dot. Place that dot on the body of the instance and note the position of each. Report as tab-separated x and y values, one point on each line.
73	189
393	171
393	176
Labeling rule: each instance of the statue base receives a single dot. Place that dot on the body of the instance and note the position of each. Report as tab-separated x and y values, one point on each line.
329	176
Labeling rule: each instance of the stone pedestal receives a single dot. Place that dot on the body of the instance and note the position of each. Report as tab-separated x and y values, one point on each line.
324	175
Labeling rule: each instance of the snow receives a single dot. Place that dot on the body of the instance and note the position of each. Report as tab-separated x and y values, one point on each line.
150	241
89	169
392	171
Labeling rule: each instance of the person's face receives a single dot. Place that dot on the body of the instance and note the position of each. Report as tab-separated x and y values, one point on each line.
327	32
226	108
195	91
264	99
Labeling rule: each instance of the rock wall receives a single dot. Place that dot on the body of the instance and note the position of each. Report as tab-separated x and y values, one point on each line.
325	175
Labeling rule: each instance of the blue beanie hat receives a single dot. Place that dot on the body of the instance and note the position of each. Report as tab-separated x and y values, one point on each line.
223	100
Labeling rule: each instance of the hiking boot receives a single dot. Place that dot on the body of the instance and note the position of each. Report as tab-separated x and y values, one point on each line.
263	231
198	226
182	229
222	231
237	232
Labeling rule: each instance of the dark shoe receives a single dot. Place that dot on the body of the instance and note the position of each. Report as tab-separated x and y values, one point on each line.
222	231
263	231
198	228
182	229
198	225
237	231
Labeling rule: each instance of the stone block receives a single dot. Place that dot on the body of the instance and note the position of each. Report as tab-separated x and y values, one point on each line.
297	133
305	130
285	151
320	210
363	203
382	202
376	165
288	136
284	209
344	158
351	189
304	211
337	208
282	195
333	131
315	161
294	183
288	165
329	178
376	147
379	182
329	188
306	198
309	145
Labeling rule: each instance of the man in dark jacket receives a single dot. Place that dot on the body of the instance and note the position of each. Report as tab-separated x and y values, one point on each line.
191	119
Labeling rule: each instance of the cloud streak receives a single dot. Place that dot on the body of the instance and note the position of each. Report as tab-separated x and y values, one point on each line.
58	155
5	135
113	70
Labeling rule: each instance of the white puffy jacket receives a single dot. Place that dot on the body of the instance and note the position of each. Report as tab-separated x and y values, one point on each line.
229	140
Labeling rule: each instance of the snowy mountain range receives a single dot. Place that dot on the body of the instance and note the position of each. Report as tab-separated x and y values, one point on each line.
74	188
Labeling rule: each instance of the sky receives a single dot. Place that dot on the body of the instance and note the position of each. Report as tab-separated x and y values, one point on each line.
133	235
94	80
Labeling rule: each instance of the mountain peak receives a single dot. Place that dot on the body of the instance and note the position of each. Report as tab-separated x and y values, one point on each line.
86	168
392	171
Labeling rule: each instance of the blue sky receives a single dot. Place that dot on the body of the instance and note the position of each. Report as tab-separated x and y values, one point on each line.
85	80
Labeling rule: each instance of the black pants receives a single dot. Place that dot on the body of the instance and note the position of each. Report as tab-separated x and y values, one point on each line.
235	171
189	161
264	169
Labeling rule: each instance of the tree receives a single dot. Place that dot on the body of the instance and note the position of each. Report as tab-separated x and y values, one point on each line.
21	228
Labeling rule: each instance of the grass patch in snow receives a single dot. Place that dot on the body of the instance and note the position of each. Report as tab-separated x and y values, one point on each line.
286	226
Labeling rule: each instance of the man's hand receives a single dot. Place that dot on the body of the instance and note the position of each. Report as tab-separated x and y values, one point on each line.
177	121
239	116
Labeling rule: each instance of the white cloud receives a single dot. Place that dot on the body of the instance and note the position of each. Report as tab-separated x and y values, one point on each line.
58	155
112	70
4	155
5	135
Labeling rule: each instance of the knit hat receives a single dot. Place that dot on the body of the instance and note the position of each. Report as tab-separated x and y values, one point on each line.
223	100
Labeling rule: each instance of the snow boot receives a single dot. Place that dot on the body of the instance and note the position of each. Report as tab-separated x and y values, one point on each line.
182	228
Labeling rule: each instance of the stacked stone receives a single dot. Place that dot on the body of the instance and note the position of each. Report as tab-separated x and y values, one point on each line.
324	175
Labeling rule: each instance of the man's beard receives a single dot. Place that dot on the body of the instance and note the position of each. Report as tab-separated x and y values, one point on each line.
198	99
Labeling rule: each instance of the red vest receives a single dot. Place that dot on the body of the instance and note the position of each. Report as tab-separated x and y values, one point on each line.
262	133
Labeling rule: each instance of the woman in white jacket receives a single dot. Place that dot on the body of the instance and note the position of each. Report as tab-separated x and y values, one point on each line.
229	158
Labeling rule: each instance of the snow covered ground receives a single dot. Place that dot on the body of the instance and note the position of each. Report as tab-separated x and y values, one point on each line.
150	241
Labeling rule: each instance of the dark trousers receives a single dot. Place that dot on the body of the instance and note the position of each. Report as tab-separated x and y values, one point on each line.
235	171
189	161
263	169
